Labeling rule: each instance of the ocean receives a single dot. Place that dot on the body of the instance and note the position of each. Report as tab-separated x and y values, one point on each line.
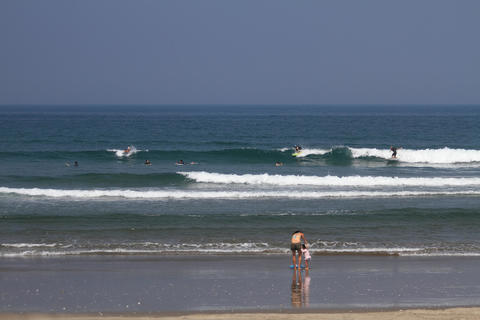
229	197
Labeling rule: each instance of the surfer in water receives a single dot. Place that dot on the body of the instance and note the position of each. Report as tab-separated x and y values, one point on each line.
394	151
297	148
127	150
296	246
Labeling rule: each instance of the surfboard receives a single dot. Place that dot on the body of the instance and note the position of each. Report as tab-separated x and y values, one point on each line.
302	266
296	154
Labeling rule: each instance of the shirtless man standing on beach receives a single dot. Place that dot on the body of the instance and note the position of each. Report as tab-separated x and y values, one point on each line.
296	246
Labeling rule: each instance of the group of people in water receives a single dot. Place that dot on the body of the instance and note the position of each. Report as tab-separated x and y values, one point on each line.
277	164
149	163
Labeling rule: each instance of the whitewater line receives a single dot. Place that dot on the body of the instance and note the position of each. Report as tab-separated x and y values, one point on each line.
432	156
353	181
165	195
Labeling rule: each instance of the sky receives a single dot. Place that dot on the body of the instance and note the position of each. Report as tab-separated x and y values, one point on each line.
239	52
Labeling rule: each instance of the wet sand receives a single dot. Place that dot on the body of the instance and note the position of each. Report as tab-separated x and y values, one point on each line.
420	314
203	286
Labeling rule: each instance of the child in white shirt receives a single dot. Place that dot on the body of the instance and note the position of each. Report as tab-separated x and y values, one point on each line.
306	256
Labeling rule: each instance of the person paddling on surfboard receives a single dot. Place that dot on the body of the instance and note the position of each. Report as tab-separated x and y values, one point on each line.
296	246
394	151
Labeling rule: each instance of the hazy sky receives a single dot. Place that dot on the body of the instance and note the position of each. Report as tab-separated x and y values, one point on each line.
239	52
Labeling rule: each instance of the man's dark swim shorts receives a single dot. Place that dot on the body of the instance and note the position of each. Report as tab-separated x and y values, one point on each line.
296	246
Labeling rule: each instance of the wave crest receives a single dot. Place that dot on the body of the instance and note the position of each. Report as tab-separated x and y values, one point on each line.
354	181
430	156
179	195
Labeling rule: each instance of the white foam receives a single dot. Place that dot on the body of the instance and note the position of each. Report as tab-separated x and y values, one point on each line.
27	245
197	249
354	181
369	250
442	254
307	152
121	152
165	195
434	156
156	248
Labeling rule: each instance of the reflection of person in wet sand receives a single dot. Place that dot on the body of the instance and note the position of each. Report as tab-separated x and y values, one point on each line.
306	290
297	288
300	289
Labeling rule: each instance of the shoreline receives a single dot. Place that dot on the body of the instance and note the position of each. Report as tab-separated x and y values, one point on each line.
453	313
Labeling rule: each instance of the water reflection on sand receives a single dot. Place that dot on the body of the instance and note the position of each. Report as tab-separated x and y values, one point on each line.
300	289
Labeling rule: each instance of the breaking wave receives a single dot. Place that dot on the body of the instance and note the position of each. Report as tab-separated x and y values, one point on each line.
174	194
124	152
356	181
430	156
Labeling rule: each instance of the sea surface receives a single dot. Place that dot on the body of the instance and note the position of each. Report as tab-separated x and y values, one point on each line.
344	191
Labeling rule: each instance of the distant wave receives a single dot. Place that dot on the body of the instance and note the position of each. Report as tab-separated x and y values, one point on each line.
173	194
334	155
228	155
430	156
293	180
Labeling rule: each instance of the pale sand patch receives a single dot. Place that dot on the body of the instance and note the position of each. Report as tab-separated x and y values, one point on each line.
410	314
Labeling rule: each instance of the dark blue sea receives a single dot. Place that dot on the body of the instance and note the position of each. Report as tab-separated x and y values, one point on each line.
229	197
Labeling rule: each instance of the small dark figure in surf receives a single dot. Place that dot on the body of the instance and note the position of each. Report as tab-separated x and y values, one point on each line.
278	164
180	162
394	151
148	163
75	164
298	149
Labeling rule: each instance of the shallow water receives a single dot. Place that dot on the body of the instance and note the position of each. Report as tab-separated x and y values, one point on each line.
343	191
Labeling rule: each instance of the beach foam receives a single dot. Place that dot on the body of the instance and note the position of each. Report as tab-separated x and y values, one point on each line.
121	152
159	195
293	180
431	156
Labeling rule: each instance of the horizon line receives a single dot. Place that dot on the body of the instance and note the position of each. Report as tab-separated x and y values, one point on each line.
238	105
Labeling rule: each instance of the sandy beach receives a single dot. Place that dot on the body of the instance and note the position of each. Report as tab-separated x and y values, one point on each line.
210	287
420	314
